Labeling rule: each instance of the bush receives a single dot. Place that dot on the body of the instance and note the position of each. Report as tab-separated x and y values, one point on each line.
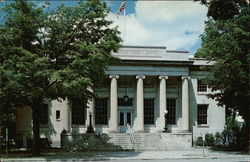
199	141
219	139
89	142
234	133
209	139
233	136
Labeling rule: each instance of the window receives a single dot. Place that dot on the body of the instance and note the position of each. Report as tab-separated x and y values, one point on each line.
202	114
58	115
171	107
201	86
101	111
44	114
78	113
148	111
121	102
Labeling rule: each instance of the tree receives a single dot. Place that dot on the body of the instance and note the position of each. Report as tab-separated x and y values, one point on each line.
53	55
226	41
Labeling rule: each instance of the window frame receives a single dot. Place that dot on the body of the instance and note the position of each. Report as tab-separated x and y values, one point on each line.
151	114
77	110
104	116
201	87
201	116
174	111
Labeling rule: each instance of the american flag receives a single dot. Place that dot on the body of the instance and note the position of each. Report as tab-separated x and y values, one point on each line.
122	7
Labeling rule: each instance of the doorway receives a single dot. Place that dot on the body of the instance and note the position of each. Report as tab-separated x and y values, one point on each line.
125	121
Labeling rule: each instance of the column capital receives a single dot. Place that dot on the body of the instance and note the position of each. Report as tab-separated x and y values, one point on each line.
114	76
163	77
186	77
140	76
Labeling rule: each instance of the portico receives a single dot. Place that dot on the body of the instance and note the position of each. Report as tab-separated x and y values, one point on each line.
127	117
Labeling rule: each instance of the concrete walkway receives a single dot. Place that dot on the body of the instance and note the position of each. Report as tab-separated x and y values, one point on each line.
194	153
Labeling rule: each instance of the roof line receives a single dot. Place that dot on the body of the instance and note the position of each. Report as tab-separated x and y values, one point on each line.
177	51
133	46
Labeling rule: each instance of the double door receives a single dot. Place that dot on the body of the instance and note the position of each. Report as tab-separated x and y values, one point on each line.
125	121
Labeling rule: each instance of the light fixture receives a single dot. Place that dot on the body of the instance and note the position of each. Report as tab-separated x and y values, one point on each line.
125	97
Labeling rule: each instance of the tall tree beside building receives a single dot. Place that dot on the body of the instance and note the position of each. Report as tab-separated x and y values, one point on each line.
53	55
226	40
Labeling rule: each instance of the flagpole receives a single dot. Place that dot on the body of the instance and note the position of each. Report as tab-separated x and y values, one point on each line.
124	25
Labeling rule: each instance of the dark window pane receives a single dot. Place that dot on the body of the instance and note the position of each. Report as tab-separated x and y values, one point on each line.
78	116
202	114
44	114
122	118
57	114
201	86
171	107
101	111
121	102
129	118
148	111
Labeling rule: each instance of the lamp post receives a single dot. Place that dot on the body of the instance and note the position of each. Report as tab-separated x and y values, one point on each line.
165	115
90	127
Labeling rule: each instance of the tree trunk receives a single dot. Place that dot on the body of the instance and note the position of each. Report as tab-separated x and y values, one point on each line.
36	131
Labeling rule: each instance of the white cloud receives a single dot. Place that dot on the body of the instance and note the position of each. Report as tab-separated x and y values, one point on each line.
176	25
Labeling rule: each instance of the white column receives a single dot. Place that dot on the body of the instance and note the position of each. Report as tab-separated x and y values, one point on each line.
163	101
140	103
185	103
113	104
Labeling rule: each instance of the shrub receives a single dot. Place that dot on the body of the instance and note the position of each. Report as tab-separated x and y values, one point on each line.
219	139
199	141
209	139
233	133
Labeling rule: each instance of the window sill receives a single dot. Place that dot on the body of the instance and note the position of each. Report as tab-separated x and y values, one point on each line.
202	93
58	120
203	126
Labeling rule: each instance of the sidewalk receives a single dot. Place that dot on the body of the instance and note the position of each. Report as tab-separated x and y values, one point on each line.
194	153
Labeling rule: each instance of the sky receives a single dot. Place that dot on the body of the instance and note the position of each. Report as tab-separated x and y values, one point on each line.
176	25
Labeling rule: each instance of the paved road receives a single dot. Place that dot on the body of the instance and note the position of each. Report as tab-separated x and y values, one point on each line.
190	155
162	160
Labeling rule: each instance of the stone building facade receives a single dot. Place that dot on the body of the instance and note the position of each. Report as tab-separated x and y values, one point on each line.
147	82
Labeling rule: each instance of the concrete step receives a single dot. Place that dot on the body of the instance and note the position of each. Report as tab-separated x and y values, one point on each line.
151	141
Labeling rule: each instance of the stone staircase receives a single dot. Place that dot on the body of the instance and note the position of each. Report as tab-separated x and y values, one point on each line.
122	140
138	141
148	141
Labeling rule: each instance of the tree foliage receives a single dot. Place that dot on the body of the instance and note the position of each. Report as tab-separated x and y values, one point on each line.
226	40
53	55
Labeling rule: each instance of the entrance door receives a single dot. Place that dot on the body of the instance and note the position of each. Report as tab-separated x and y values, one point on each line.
125	121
